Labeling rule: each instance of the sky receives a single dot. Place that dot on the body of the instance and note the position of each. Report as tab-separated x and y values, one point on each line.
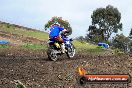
36	13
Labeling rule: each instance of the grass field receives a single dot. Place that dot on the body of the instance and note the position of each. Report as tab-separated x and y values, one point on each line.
91	49
4	46
34	46
83	45
26	33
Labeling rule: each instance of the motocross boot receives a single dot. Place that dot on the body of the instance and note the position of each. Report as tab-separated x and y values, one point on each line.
63	48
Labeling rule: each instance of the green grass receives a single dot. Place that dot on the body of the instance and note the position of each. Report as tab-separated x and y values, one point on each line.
19	84
83	45
4	46
118	52
87	47
34	46
26	33
91	49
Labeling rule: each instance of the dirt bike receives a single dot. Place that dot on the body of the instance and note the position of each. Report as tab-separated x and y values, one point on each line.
54	48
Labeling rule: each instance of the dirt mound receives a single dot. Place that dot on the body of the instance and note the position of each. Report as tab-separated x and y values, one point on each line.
34	70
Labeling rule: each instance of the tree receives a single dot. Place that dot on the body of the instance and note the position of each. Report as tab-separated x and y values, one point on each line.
130	46
94	34
121	42
80	38
107	21
63	23
130	34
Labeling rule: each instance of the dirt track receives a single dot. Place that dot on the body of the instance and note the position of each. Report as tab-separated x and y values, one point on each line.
38	72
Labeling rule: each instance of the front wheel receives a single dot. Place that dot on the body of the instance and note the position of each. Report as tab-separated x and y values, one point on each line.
52	55
71	51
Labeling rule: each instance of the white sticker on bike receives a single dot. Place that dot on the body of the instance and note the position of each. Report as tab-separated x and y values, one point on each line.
67	42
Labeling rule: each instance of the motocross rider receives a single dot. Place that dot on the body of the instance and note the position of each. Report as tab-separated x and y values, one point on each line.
55	35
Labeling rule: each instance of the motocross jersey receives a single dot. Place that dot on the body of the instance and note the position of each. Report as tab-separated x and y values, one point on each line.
55	31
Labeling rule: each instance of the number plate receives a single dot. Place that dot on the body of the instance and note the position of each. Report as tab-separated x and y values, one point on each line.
67	42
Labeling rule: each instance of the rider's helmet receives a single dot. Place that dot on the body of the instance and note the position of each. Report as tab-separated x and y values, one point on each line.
65	33
55	24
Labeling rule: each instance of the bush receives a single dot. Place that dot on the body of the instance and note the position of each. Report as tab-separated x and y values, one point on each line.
100	47
118	52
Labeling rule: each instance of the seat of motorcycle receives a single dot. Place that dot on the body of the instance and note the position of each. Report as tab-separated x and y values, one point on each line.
51	39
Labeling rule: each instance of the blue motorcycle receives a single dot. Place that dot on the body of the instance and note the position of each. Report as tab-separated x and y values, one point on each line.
54	48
